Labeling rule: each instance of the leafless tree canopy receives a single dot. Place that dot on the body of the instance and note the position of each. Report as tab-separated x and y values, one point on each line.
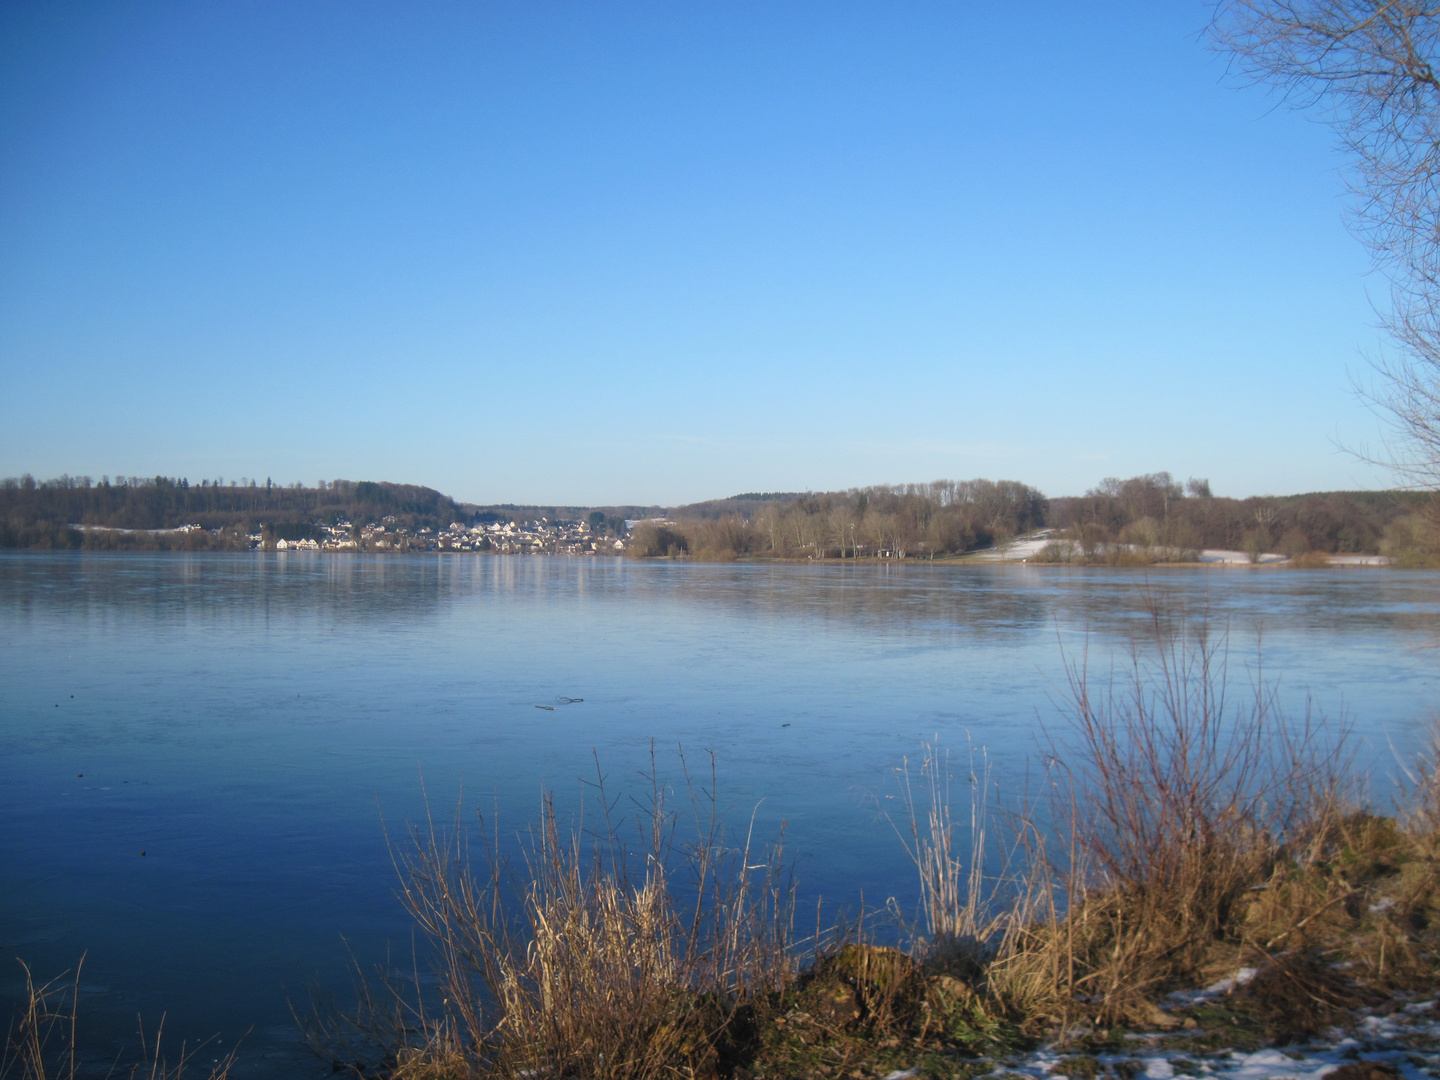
1368	67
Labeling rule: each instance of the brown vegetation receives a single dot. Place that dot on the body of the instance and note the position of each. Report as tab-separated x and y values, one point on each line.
1158	511
1138	521
901	521
650	539
600	959
41	1041
1413	541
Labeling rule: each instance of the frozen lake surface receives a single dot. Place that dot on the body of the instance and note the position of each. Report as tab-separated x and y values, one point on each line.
244	721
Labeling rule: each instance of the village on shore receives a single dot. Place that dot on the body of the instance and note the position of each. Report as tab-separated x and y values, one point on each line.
544	537
505	538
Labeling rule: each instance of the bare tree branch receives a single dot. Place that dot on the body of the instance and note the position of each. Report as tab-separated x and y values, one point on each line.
1368	68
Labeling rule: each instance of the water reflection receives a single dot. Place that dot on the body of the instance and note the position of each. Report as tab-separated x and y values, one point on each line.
908	598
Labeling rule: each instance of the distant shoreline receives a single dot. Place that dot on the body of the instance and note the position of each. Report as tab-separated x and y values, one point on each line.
1232	560
1147	520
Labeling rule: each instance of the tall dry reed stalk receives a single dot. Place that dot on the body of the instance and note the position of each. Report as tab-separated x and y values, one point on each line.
603	958
1419	784
976	893
41	1043
1167	803
1179	801
49	1012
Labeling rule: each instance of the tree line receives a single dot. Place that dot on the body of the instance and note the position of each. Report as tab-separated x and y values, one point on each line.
1150	512
901	521
1153	511
50	513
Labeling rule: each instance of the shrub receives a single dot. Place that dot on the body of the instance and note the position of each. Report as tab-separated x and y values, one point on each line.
582	966
1171	807
1294	544
1413	541
651	539
1180	803
1144	532
1056	551
1254	544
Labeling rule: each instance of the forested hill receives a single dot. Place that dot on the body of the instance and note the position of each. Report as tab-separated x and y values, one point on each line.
536	511
939	518
746	505
1148	512
41	514
1323	521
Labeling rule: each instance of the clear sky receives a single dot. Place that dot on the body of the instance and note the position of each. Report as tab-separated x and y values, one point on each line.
659	252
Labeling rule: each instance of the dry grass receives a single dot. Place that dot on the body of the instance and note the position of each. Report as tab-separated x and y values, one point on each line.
954	888
1179	802
603	958
30	1051
41	1041
1192	831
972	911
1170	804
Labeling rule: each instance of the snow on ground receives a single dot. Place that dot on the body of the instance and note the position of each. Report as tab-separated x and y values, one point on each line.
1220	556
1406	1040
1359	560
1020	549
1235	558
1182	998
1025	548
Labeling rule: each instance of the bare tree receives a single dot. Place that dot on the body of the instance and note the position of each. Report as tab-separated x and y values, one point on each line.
1411	398
1368	68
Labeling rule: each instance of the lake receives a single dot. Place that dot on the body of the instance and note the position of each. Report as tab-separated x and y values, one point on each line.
197	751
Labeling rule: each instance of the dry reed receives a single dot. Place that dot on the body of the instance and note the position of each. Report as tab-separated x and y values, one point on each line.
1170	805
604	959
42	1043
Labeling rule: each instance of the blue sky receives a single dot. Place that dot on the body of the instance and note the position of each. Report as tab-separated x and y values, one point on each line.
657	252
